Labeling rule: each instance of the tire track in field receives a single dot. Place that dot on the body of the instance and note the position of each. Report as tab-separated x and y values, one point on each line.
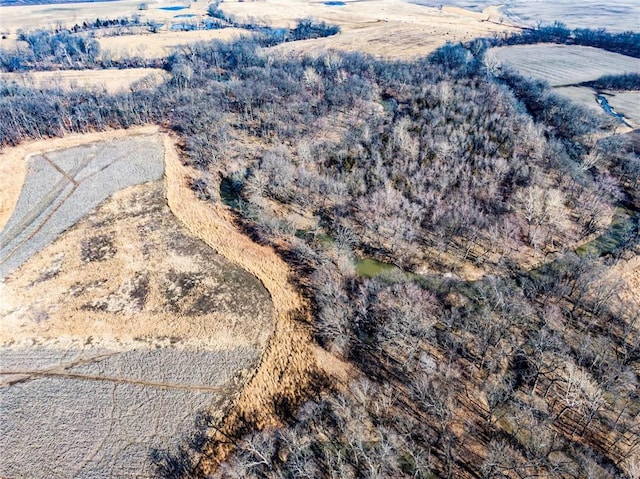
27	376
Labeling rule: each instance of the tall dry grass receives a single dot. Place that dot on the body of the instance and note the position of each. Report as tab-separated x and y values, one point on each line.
288	364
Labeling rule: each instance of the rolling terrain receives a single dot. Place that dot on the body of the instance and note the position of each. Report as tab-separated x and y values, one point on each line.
387	249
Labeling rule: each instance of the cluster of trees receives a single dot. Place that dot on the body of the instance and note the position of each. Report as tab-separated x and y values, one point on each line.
626	43
626	81
75	49
433	165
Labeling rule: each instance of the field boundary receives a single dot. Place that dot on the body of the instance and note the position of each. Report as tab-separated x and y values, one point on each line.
288	364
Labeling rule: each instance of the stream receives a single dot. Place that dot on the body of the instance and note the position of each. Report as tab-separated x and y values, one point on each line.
604	103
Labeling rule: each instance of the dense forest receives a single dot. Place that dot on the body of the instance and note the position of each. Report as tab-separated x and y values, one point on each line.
494	341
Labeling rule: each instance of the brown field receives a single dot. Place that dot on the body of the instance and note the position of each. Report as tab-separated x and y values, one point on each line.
562	65
68	14
117	280
565	66
131	310
158	45
387	28
112	81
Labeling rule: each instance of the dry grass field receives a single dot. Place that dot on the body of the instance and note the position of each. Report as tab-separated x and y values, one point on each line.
29	17
62	186
565	66
131	311
78	317
614	15
562	65
159	45
112	81
387	28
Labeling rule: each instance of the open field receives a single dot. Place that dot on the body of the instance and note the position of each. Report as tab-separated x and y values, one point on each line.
158	45
385	28
615	16
30	17
566	66
63	186
562	65
388	28
113	81
118	332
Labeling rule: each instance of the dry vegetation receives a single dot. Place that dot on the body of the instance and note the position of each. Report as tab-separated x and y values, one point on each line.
563	65
122	307
501	340
161	44
112	81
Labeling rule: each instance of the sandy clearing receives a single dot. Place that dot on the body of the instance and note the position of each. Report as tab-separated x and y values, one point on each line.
563	65
157	45
112	80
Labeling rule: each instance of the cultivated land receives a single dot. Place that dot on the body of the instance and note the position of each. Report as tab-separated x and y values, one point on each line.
117	333
562	65
161	44
615	15
566	66
388	28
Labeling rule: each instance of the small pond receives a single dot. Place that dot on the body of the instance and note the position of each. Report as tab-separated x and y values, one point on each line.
173	8
334	4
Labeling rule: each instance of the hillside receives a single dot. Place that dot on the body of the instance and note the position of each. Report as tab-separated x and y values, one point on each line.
436	260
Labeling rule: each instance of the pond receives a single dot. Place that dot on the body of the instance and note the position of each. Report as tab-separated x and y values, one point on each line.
173	8
335	4
370	268
622	226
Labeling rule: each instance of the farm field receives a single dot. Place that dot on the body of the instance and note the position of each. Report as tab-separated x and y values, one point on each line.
128	309
62	186
615	16
112	81
387	28
159	45
562	65
566	66
384	28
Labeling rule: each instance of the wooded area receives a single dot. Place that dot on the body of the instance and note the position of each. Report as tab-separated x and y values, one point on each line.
526	368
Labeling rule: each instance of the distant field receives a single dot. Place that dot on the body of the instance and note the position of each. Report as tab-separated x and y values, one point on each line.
385	28
111	80
158	45
562	65
614	15
566	66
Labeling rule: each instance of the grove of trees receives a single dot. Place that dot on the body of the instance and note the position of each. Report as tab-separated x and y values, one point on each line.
497	347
